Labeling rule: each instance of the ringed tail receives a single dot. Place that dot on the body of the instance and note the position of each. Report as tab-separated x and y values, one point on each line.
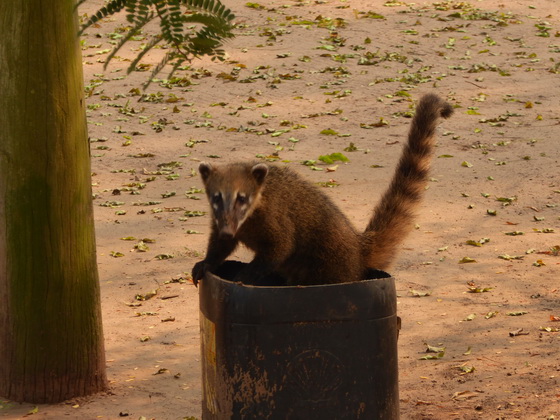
392	217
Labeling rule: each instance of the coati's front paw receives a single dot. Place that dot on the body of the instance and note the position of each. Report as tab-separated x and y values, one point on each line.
198	271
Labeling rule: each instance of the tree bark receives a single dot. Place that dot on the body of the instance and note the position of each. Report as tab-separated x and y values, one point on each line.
51	339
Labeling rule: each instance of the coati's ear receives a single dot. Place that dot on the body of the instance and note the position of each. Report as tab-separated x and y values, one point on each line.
259	172
205	170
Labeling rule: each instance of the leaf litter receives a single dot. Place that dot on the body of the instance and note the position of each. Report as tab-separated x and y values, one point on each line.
458	49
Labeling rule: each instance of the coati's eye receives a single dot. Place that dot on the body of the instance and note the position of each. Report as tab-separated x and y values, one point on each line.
217	198
241	198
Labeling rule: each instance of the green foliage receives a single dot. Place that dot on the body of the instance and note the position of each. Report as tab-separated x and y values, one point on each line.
193	28
333	157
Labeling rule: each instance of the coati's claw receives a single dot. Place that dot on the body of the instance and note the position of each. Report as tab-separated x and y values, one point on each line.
198	272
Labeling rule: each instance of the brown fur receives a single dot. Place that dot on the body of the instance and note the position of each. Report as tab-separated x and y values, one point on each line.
297	232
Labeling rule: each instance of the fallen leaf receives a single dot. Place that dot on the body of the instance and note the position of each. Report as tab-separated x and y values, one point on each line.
478	289
466	369
470	317
477	243
434	349
417	293
549	329
333	157
169	319
518	313
329	132
148	313
164	256
146	296
518	332
511	257
464	395
491	315
433	356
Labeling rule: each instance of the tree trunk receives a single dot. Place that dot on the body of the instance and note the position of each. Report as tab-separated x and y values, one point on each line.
51	340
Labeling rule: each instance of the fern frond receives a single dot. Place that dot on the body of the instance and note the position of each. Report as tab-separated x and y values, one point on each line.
176	18
171	23
156	40
157	69
138	10
213	26
112	7
214	7
178	63
132	32
212	22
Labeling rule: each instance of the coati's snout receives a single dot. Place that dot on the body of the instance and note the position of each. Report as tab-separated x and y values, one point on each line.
230	211
233	193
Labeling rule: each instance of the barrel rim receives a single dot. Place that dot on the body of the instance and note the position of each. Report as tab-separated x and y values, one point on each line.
373	275
365	299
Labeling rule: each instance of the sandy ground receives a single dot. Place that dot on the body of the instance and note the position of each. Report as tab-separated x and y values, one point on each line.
295	69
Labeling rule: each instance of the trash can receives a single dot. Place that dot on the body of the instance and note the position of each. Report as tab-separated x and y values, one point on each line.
298	352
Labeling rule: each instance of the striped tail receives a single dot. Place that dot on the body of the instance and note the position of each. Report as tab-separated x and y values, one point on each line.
392	218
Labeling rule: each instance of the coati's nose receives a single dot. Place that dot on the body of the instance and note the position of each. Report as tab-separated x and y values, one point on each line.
228	228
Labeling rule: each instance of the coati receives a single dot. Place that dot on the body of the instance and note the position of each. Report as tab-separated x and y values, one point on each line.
297	232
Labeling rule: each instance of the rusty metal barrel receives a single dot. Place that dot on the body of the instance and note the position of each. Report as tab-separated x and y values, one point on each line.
298	352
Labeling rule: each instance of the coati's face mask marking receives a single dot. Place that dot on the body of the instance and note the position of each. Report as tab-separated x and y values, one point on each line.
233	192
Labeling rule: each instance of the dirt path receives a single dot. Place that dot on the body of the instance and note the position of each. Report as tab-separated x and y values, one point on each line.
351	69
